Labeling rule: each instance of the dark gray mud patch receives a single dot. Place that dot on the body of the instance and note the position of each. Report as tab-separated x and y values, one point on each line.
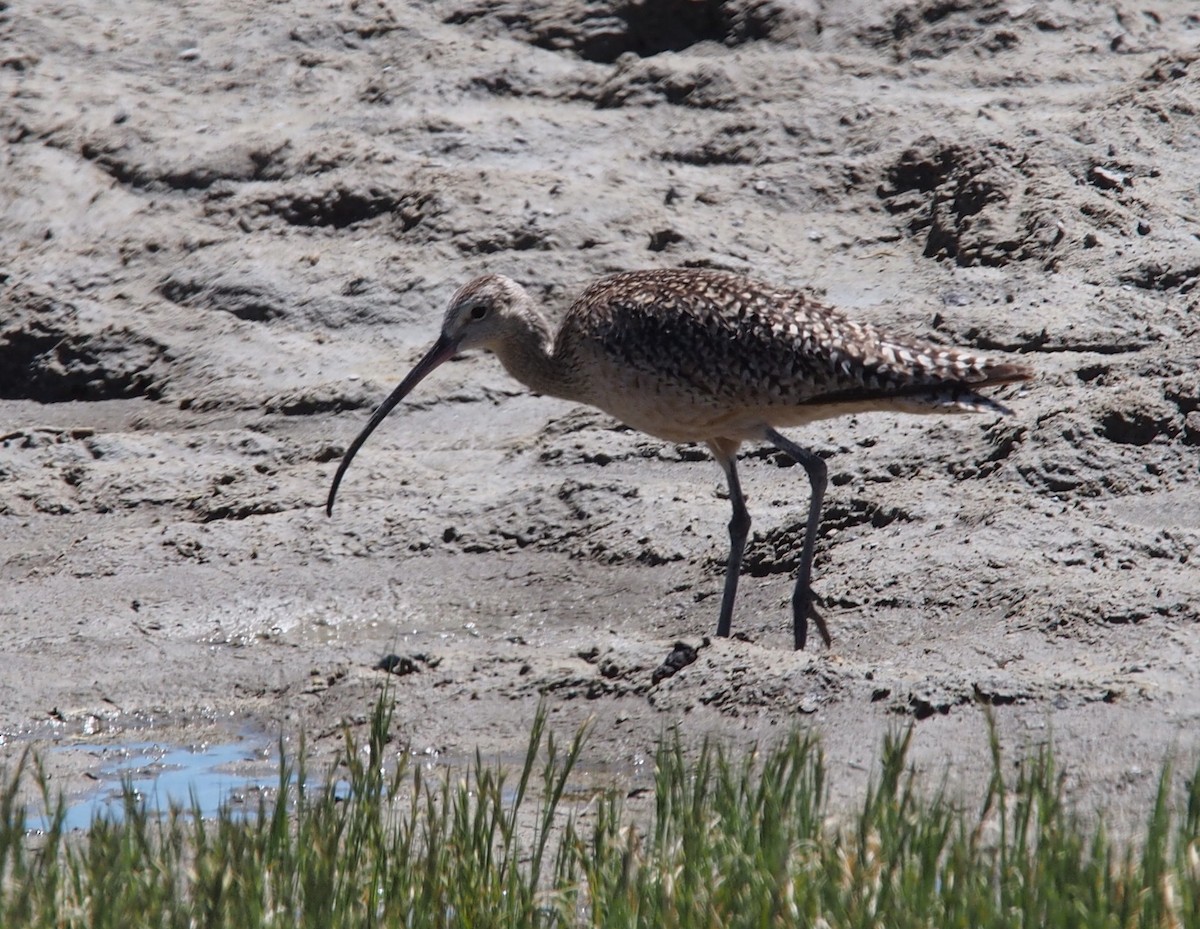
243	300
777	551
337	206
1154	275
735	143
933	29
143	166
974	205
642	83
1166	99
320	400
516	239
49	353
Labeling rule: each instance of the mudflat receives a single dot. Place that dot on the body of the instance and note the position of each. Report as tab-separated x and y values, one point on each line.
228	229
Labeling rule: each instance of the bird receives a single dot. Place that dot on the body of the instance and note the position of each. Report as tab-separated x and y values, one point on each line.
691	355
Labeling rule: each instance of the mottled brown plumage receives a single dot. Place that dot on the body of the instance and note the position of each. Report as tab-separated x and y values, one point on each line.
706	356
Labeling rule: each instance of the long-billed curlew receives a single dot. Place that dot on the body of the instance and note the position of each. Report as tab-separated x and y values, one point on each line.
706	356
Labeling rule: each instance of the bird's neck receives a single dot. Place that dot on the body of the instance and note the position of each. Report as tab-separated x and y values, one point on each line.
528	355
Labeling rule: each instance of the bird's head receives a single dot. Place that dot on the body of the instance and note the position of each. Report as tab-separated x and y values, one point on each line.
485	312
488	313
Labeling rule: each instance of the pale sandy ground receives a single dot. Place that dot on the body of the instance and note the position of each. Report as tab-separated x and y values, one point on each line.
228	228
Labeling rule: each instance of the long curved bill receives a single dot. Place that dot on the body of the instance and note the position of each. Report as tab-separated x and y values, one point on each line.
442	350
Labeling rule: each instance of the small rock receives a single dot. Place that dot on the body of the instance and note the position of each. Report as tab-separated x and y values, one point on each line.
190	54
681	656
1108	179
400	665
661	238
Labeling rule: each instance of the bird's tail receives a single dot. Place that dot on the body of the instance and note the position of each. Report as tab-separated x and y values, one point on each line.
1001	372
962	396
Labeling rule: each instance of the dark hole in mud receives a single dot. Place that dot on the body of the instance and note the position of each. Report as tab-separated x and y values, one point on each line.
341	207
603	31
1131	428
674	25
922	167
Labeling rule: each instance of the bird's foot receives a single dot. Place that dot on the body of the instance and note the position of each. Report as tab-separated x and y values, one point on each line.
803	611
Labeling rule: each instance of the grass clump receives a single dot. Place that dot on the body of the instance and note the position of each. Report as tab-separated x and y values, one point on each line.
733	841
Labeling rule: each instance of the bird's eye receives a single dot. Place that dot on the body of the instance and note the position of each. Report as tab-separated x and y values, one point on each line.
478	311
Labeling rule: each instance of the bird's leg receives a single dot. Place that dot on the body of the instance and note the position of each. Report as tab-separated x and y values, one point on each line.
739	529
802	600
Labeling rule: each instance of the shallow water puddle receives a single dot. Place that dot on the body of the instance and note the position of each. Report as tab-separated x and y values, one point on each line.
162	776
234	776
